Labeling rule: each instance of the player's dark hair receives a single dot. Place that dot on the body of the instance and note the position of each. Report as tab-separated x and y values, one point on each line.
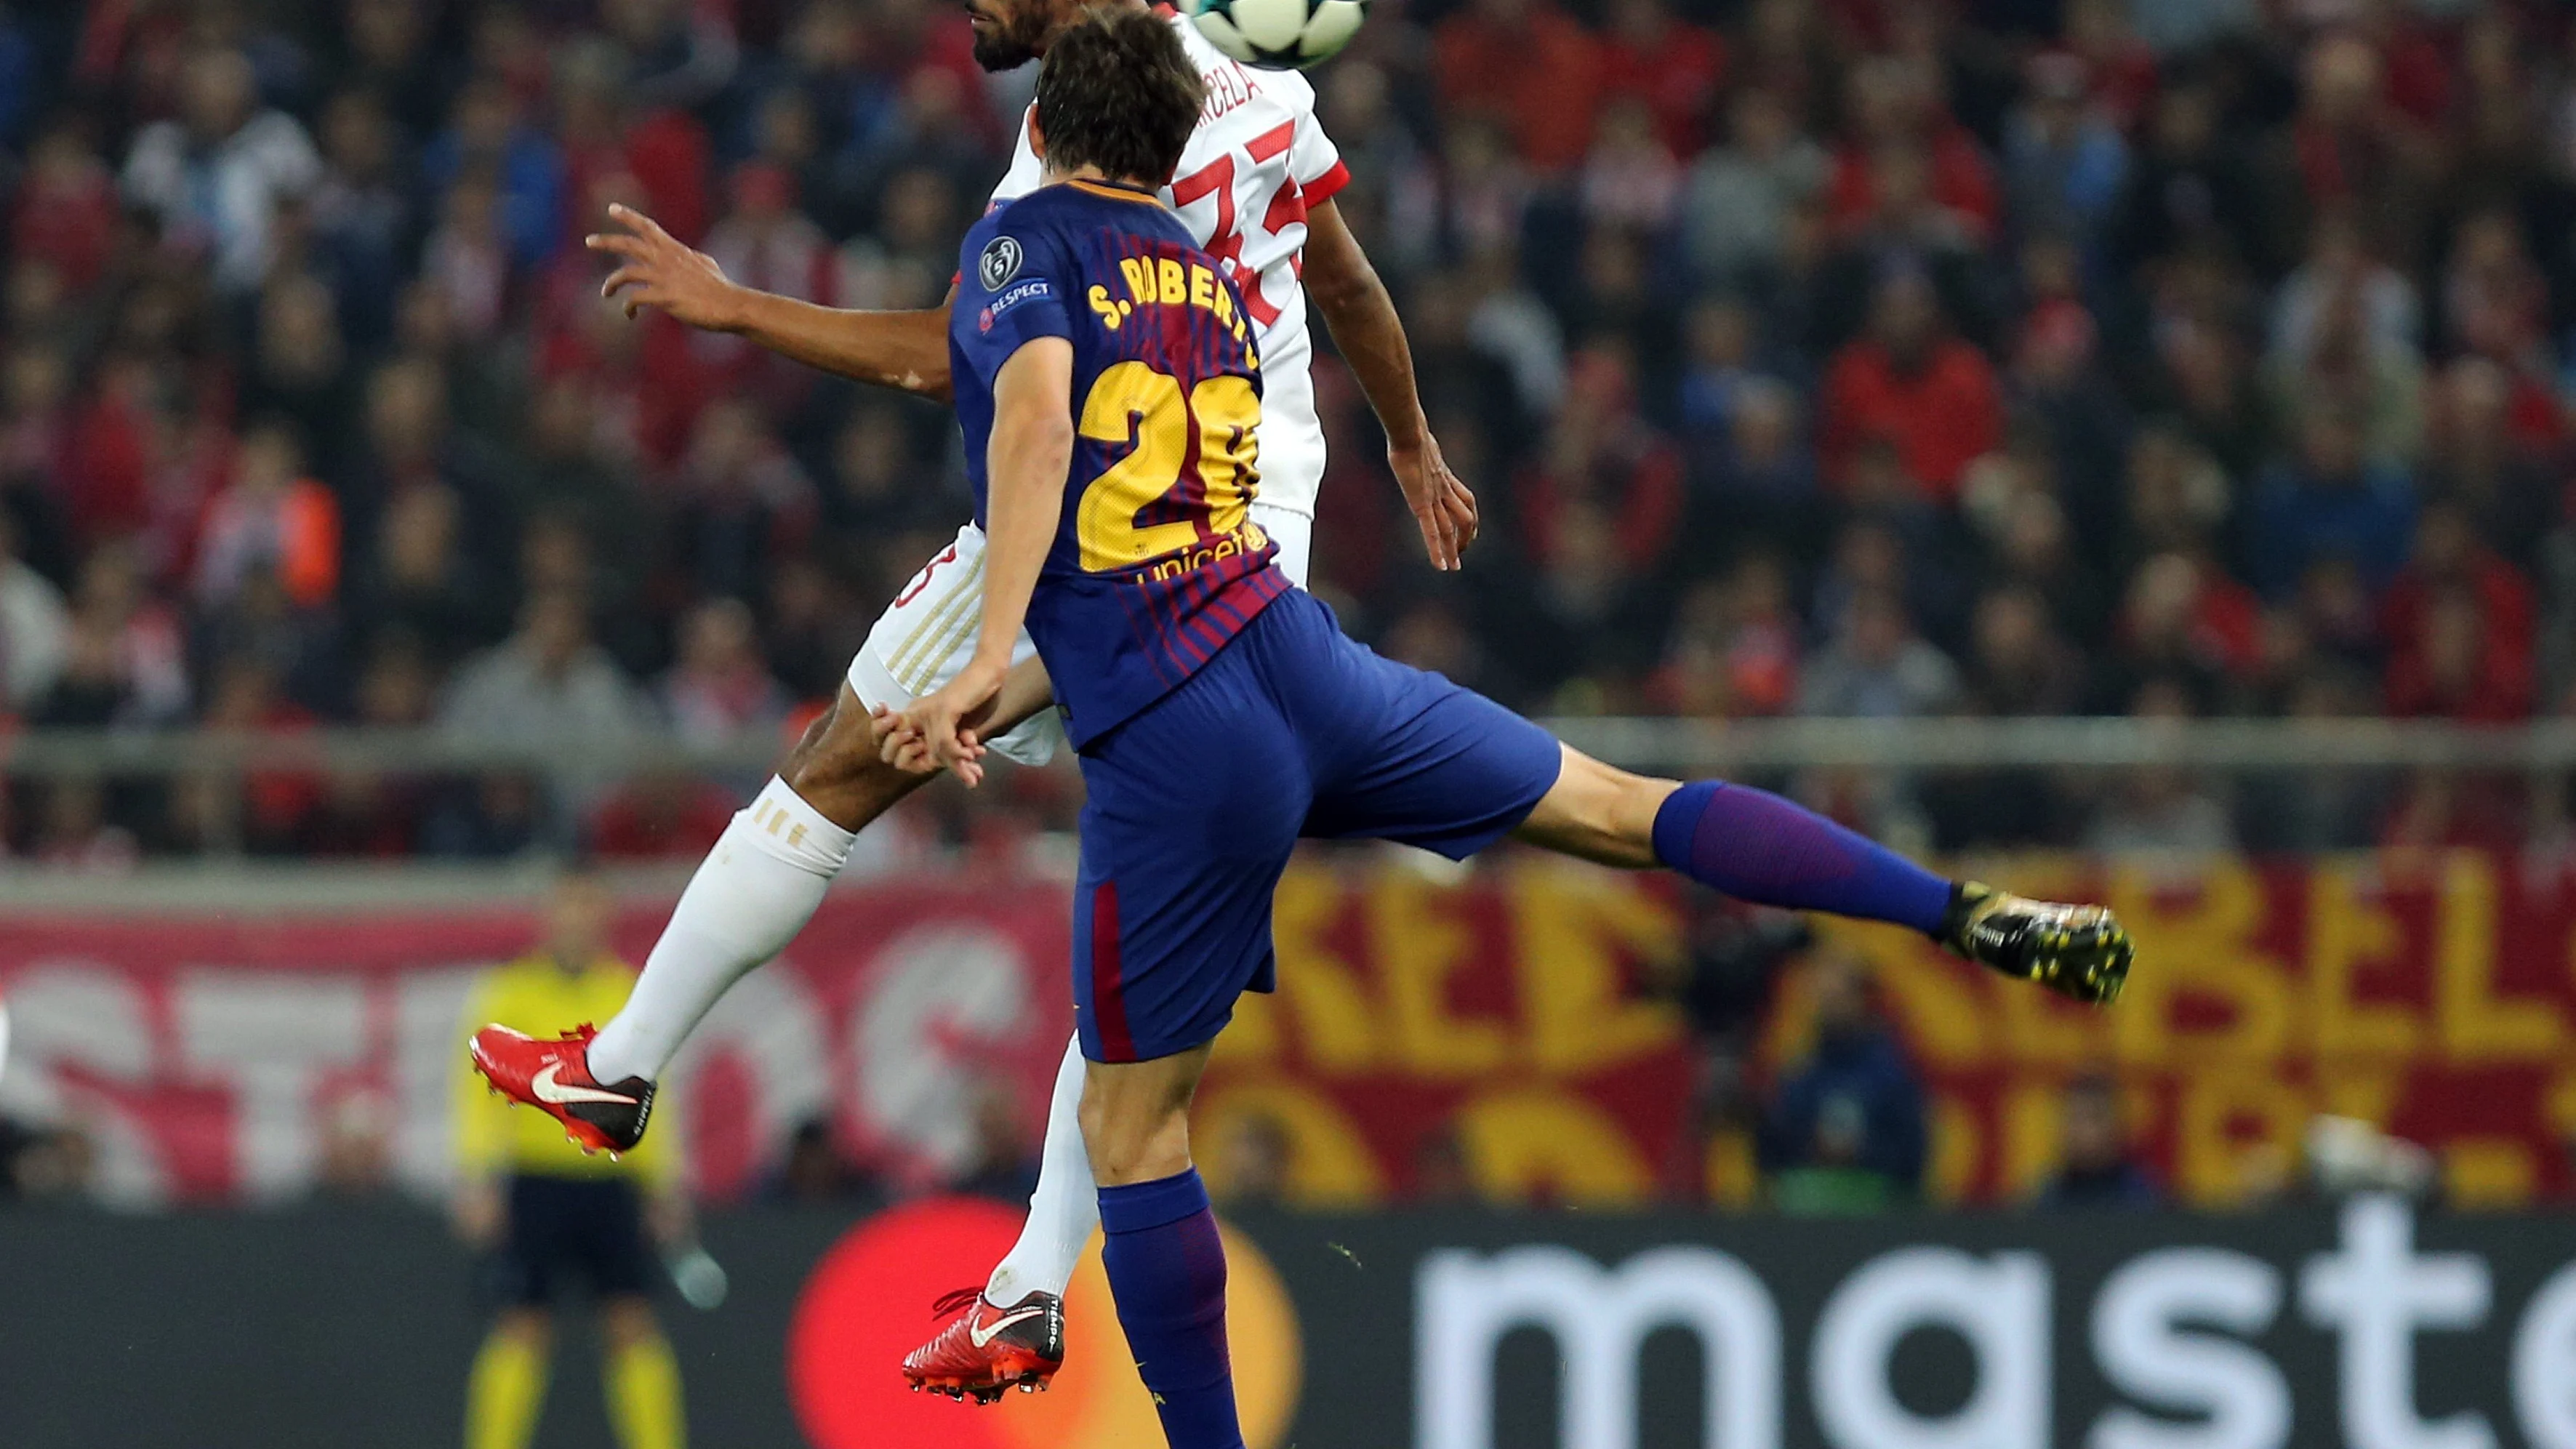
1118	92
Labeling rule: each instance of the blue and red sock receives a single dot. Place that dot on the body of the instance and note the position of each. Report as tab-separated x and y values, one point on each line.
1757	847
1167	1271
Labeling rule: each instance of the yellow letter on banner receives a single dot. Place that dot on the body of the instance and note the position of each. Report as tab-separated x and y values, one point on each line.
2032	1125
1537	1140
2348	927
2487	1173
2478	1025
1336	1021
1958	1151
1572	926
2204	949
1420	945
2212	1151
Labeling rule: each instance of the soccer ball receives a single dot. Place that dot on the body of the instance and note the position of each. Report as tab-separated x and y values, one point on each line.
1279	34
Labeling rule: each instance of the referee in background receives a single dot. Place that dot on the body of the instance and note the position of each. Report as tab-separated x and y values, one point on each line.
547	1216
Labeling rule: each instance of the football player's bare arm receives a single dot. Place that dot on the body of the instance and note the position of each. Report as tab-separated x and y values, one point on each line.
1026	460
905	350
1361	316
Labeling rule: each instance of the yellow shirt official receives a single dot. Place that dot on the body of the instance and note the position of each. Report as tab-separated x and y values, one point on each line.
537	996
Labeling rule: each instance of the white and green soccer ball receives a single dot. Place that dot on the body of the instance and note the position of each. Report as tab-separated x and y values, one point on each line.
1279	34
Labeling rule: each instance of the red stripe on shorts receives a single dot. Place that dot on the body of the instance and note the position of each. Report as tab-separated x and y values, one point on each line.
1108	1004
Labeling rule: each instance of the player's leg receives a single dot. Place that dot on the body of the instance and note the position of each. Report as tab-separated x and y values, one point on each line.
1758	847
756	889
1192	810
1160	1248
1423	761
639	1376
1065	1206
766	877
767	874
506	1389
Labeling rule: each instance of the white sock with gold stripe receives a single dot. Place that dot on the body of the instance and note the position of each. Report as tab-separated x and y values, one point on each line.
750	897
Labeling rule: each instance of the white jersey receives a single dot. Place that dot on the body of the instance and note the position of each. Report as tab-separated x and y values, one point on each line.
1258	159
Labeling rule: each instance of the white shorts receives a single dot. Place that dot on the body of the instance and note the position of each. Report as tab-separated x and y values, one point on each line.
928	633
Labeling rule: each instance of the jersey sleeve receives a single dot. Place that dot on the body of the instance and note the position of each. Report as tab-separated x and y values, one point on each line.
1012	289
1314	162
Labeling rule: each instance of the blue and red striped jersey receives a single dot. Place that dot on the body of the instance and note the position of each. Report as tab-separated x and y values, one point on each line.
1157	563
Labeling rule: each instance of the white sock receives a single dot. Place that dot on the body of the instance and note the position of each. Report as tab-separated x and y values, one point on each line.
750	897
1064	1209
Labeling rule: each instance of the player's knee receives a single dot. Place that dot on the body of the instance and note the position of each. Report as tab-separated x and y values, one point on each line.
529	1327
1600	813
628	1321
1131	1145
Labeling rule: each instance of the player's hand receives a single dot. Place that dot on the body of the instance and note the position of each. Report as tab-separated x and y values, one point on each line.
951	719
1443	507
900	745
656	271
478	1213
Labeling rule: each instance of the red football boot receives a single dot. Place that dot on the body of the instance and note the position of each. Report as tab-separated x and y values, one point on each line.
554	1077
986	1350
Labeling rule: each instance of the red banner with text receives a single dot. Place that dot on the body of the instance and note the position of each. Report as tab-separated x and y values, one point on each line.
224	1055
1509	1019
1505	1025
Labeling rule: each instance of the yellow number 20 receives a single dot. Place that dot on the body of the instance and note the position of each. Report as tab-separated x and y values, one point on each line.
1132	403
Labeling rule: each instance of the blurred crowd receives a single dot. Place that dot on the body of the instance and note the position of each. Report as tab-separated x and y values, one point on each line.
1822	357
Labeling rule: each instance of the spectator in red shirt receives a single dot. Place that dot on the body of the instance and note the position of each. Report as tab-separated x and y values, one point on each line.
608	130
2351	147
1674	67
2459	623
2415	71
66	208
764	242
2122	67
1602	453
1909	381
1530	67
1893	103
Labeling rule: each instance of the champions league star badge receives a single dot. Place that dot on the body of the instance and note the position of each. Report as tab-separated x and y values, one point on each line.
1000	263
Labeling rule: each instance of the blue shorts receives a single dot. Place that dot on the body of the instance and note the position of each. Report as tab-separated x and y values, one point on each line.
1195	803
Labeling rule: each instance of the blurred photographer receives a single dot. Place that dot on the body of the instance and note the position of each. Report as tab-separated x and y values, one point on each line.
1845	1132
